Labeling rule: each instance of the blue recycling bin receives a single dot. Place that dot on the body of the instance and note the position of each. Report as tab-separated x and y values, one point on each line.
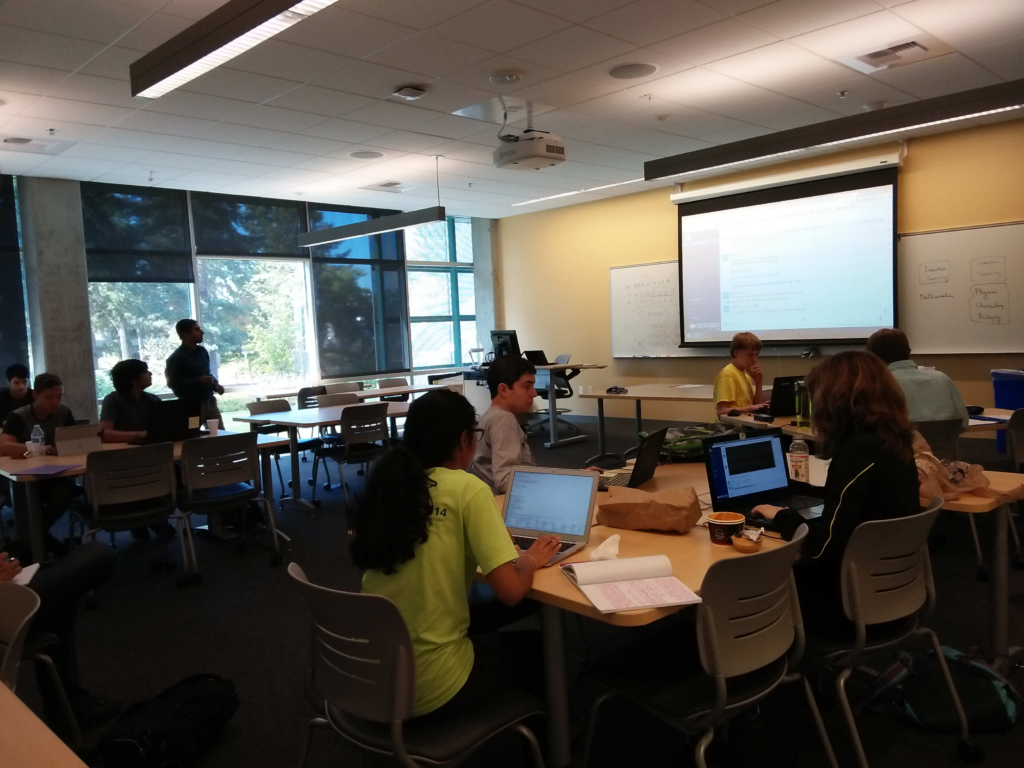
1008	385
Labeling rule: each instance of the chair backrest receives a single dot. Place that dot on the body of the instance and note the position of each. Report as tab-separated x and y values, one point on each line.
211	462
361	652
344	386
131	474
268	406
338	398
365	423
1015	439
399	382
562	359
307	396
749	613
18	605
942	436
886	572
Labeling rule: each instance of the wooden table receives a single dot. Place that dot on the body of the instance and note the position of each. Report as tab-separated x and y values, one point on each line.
13	469
25	741
980	425
639	393
314	417
789	427
412	389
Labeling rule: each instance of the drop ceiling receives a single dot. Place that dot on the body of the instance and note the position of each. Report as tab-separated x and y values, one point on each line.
283	119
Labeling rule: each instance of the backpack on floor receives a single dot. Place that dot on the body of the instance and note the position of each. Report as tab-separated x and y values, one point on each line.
913	689
172	727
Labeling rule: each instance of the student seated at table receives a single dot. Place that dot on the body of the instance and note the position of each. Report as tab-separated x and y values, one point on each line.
424	527
931	395
18	393
124	414
861	419
502	444
738	385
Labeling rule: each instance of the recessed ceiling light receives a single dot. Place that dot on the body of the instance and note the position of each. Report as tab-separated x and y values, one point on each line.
409	93
632	71
504	77
366	154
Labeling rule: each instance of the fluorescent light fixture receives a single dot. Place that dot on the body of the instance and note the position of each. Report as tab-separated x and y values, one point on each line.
229	31
904	120
372	226
576	192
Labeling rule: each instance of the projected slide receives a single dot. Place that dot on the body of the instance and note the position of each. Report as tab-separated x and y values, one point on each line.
813	268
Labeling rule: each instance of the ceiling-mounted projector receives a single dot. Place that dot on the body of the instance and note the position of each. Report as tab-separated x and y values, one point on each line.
531	150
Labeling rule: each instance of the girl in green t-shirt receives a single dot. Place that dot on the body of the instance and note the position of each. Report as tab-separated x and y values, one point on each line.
420	534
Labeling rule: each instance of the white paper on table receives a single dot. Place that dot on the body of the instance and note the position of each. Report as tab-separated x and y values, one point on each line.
687	386
26	574
630	584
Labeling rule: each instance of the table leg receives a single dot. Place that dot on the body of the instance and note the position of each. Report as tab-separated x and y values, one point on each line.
32	515
998	585
267	476
639	428
601	455
296	493
556	686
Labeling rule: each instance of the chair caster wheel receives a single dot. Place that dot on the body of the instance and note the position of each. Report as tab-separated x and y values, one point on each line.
970	753
182	581
196	579
361	472
276	560
304	460
1018	562
327	486
309	482
316	503
982	574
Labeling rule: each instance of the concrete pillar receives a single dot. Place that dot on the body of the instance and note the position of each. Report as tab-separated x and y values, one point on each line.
486	277
57	287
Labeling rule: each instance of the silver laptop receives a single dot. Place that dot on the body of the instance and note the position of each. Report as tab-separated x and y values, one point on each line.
542	501
83	438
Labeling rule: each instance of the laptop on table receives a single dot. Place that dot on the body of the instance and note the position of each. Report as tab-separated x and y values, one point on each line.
541	501
171	421
536	356
644	466
783	398
82	438
747	470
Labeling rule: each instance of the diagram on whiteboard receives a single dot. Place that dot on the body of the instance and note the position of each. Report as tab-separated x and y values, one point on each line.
645	310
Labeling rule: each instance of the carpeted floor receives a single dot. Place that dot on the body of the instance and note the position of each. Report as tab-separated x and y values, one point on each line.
247	623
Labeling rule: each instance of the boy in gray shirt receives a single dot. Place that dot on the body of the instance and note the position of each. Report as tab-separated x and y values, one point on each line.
501	443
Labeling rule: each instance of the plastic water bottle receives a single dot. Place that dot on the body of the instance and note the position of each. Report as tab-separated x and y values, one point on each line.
37	446
799	461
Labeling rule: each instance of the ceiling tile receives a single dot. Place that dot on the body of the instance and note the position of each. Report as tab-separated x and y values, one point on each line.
391	115
603	132
275	118
626	102
446	96
26	46
478	74
787	18
564	91
339	30
175	125
120	137
232	84
368	79
658	143
692	123
192	9
421	14
450	126
860	92
858	36
650	21
715	41
39	128
113	62
241	134
273	157
200	180
295	175
76	111
979	25
80	167
500	26
407	141
320	101
205	148
310	145
25	78
14	103
199	105
561	120
734	7
240	168
19	162
692	82
1005	59
344	130
781	67
104	152
745	131
572	49
99	20
289	61
175	160
666	66
153	32
139	176
430	55
99	90
936	77
576	11
329	164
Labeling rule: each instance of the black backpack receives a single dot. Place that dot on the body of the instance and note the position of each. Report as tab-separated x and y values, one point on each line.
172	727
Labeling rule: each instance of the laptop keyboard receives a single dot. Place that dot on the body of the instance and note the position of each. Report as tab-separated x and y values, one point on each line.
525	542
802	502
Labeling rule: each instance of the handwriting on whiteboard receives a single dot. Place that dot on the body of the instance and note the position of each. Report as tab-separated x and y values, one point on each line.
654	307
934	272
990	303
988	270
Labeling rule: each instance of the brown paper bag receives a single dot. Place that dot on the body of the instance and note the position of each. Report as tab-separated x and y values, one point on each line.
636	510
953	480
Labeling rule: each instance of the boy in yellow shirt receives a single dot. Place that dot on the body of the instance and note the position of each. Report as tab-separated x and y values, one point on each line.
738	385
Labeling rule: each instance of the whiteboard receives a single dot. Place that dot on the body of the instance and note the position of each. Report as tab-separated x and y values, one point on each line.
962	291
645	310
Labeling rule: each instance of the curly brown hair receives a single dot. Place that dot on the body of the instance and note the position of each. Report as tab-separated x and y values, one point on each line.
854	392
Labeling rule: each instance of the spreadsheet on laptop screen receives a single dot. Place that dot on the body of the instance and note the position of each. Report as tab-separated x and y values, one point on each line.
743	467
549	503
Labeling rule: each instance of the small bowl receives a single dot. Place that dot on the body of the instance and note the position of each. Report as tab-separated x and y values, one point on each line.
722	526
745	545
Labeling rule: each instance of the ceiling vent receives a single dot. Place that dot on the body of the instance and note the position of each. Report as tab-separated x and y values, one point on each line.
33	146
391	186
896	55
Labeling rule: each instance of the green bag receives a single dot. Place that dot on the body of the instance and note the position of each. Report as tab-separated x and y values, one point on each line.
685	443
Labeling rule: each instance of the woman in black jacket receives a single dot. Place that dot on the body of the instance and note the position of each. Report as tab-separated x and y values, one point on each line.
860	417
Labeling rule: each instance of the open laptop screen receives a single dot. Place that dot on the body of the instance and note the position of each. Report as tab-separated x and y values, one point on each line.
745	466
549	503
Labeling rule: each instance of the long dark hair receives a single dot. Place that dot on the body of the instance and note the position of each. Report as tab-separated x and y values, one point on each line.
855	392
395	512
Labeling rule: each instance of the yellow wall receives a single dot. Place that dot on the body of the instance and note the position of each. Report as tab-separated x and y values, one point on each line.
554	264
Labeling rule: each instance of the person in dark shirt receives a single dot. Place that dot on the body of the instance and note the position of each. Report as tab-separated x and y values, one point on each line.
860	415
18	393
124	414
188	371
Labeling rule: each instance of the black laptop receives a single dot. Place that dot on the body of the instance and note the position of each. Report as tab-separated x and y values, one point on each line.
170	421
783	399
644	466
536	356
750	469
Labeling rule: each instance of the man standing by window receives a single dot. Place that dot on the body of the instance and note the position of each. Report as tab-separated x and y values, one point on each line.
188	371
17	395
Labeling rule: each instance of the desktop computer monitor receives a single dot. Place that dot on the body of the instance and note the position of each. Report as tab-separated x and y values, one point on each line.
505	343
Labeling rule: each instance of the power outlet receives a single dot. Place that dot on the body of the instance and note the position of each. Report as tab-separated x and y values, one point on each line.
590	390
581	389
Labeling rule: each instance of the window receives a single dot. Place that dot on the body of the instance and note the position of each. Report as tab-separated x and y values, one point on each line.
256	318
13	326
227	225
442	302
